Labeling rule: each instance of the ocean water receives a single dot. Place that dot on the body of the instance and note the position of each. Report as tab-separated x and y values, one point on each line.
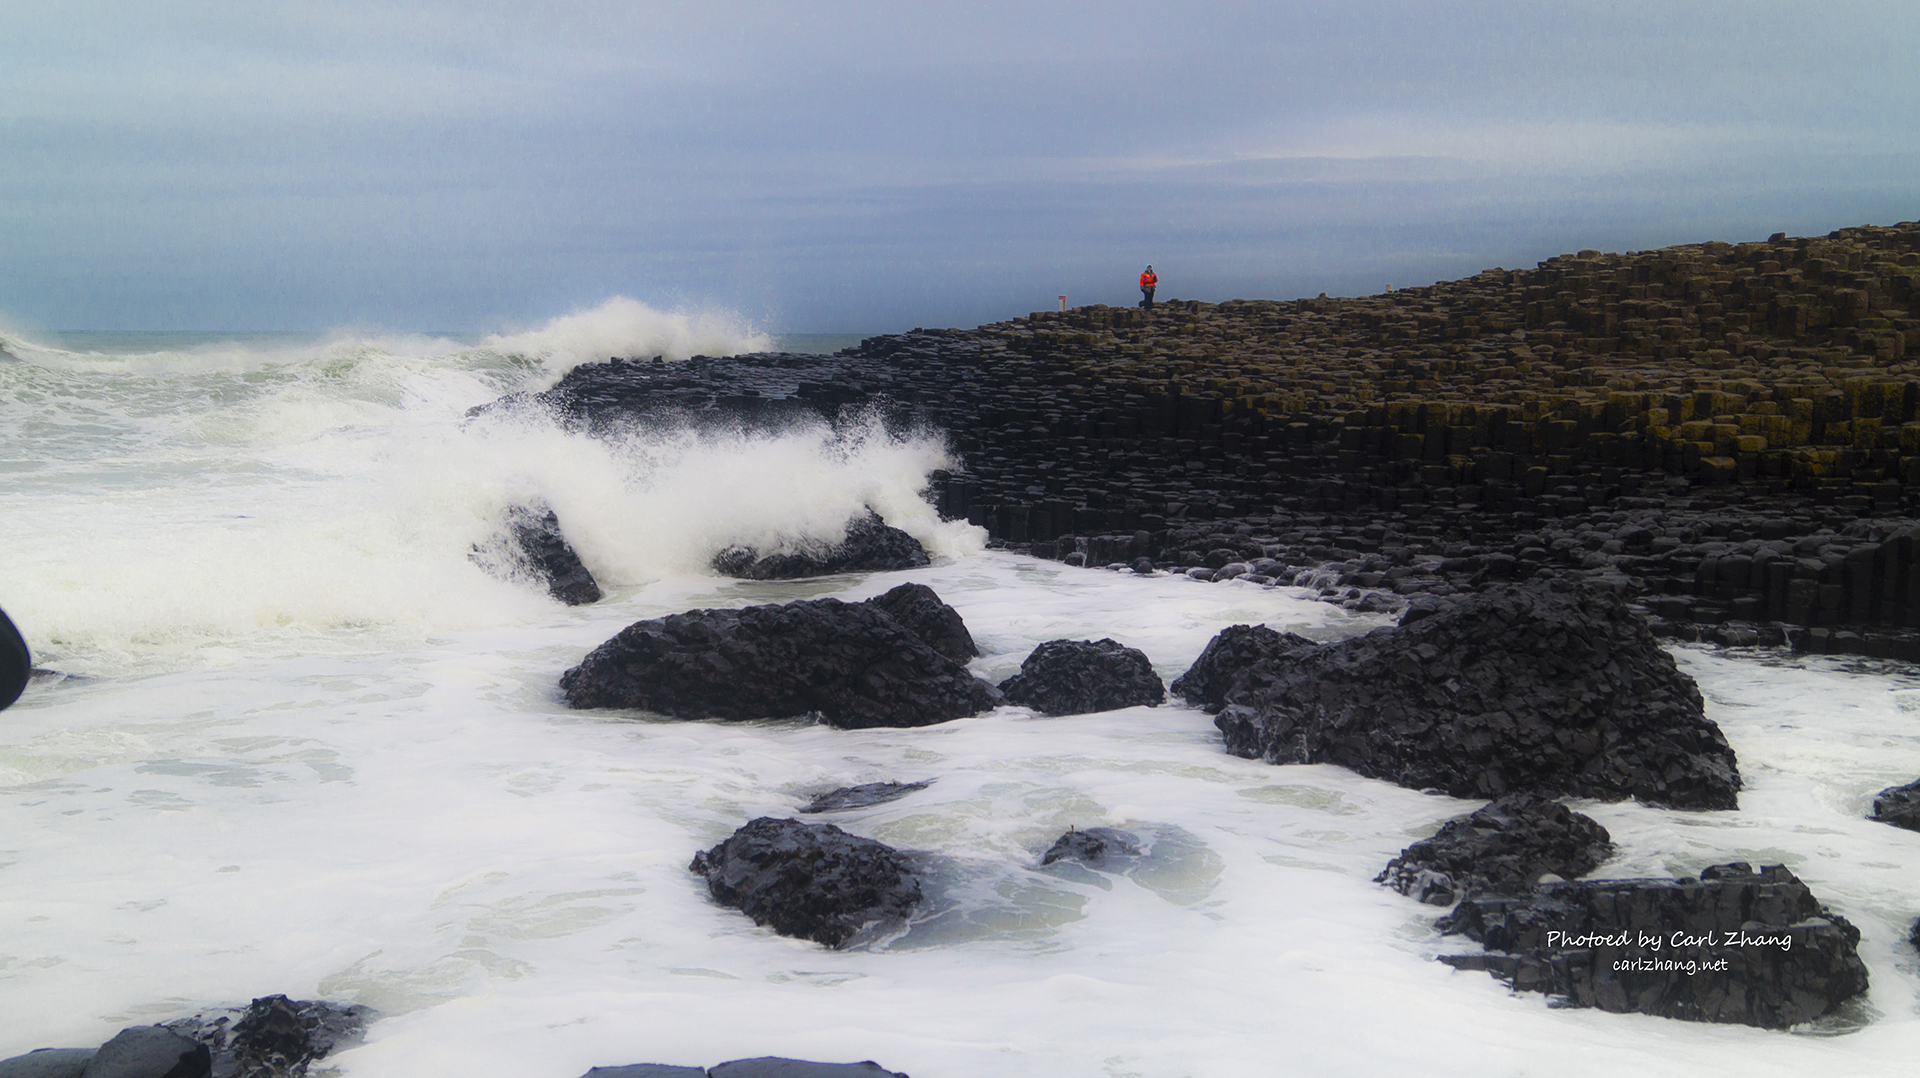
299	742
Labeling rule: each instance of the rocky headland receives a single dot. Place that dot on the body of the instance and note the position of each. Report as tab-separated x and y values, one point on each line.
1727	433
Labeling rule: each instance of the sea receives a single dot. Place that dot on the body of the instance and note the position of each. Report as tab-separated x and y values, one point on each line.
292	737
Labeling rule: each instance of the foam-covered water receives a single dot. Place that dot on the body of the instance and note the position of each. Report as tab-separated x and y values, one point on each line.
315	750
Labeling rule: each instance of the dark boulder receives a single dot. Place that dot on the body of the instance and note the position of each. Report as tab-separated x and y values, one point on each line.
534	546
1232	649
1504	847
1079	677
1093	847
776	1067
48	1063
872	793
919	608
1518	688
871	546
850	663
16	662
275	1037
1899	806
1738	946
764	1067
150	1052
810	881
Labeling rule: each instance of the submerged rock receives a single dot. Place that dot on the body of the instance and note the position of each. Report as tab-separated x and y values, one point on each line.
1092	847
810	881
150	1052
1232	650
535	546
872	793
1504	847
871	546
1080	677
1899	806
1519	688
1736	945
274	1037
48	1063
763	1067
850	663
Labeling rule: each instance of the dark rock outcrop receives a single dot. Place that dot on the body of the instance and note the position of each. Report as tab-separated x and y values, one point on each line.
872	793
1733	946
1504	847
16	662
1093	846
274	1037
150	1052
1518	688
850	663
47	1063
763	1067
1899	806
871	546
810	881
917	607
534	545
1079	677
1231	650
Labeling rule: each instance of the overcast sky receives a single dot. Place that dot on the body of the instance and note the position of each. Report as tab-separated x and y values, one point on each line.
869	167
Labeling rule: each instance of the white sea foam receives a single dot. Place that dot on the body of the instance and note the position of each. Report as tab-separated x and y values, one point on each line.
626	327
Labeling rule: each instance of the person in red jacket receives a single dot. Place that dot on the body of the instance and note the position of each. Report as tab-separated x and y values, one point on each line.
1147	283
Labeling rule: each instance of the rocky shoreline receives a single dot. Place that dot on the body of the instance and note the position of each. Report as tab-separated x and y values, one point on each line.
1728	434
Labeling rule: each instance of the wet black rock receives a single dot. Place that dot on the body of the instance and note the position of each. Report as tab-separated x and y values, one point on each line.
872	793
1504	847
917	607
776	1067
1233	649
534	546
764	1067
851	664
1739	946
810	881
1899	806
871	546
1079	677
1518	688
1093	846
150	1052
48	1063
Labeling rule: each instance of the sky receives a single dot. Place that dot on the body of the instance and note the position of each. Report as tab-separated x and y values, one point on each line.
837	166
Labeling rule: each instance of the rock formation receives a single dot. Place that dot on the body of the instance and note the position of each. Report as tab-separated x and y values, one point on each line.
1517	689
1899	806
871	546
1504	848
1732	946
810	881
1231	650
851	664
1079	677
864	796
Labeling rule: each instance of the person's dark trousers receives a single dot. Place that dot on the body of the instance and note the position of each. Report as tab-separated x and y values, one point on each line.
1147	301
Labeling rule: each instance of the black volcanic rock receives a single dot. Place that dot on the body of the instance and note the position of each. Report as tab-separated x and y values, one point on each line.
1232	649
810	881
1093	846
763	1067
1899	806
1503	847
917	607
865	796
275	1037
48	1063
871	546
534	545
1079	677
850	663
150	1052
1517	688
1733	946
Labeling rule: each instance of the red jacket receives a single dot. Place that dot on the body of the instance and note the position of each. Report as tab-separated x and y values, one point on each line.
1148	280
